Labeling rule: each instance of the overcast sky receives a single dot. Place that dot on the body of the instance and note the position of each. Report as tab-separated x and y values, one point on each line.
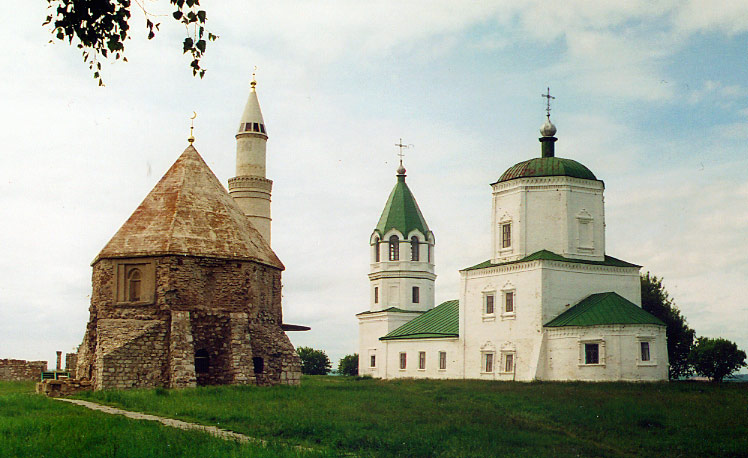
651	96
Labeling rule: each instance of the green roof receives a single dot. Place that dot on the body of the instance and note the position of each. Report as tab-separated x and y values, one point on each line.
401	211
551	256
546	167
604	308
391	309
440	321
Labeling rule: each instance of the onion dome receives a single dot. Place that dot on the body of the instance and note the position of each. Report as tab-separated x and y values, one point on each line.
547	167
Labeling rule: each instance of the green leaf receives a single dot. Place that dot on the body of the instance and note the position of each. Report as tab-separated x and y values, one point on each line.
188	44
201	45
201	15
177	15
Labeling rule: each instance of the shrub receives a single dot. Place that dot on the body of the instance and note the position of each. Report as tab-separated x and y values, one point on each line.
313	362
348	365
716	358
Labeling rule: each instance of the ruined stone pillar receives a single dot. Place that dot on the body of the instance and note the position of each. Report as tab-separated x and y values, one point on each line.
181	352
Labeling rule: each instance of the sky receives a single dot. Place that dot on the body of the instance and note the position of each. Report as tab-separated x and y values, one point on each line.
651	96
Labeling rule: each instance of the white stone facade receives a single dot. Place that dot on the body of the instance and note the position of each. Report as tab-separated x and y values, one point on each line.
546	257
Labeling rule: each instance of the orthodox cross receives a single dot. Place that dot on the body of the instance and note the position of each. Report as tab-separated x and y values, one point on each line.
401	145
549	97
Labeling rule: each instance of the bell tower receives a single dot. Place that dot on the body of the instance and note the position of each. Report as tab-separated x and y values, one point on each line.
250	188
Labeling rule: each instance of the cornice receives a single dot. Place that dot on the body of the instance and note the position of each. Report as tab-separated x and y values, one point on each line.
402	274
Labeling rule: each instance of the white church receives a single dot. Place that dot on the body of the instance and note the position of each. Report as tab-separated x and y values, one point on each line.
548	304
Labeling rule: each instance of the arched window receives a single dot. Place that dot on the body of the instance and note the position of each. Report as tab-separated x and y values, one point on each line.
414	248
394	248
376	249
133	285
202	361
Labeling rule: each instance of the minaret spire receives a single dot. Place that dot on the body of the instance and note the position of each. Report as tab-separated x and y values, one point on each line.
250	187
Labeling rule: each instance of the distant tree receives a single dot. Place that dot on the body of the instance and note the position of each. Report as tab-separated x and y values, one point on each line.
348	365
657	301
313	362
100	28
716	358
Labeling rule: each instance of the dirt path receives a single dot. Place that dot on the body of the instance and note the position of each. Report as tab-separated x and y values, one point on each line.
212	430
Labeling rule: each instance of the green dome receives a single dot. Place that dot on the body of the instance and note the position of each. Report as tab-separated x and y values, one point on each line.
547	167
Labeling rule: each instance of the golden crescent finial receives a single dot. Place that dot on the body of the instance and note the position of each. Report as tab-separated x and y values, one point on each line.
191	138
254	81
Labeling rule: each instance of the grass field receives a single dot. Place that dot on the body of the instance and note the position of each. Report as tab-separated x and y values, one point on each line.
34	426
409	418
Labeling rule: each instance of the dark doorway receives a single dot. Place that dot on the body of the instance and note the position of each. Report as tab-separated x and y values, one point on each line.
259	365
202	361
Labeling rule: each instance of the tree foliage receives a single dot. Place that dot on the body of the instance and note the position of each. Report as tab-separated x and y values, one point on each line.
348	365
313	362
657	301
716	358
100	28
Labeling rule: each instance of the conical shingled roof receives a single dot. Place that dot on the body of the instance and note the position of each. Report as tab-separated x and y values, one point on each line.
401	211
189	213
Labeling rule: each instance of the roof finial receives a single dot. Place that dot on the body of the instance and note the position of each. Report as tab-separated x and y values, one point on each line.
254	81
191	138
549	97
401	169
548	129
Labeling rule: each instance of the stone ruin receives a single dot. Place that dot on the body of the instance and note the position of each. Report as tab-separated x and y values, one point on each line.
16	370
186	293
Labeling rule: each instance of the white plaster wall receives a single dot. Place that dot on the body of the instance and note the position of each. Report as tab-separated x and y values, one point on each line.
520	332
432	347
621	358
544	216
565	284
371	327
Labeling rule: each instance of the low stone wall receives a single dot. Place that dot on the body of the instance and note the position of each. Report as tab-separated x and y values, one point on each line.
63	387
18	369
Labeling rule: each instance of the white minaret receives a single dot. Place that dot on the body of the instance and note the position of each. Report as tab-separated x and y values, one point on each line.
249	188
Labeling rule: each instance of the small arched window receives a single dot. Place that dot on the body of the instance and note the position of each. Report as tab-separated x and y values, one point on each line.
414	248
376	249
394	248
133	285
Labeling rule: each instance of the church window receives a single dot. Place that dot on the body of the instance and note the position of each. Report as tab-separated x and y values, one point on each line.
488	304
376	295
416	294
255	127
591	353
644	351
403	360
259	364
262	128
373	361
394	248
421	360
376	249
134	280
506	235
509	302
508	362
487	362
202	361
414	248
442	360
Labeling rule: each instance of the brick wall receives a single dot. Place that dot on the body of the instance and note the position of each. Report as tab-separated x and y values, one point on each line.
17	369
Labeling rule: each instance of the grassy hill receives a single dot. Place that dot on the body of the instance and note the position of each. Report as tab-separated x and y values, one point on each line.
339	415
